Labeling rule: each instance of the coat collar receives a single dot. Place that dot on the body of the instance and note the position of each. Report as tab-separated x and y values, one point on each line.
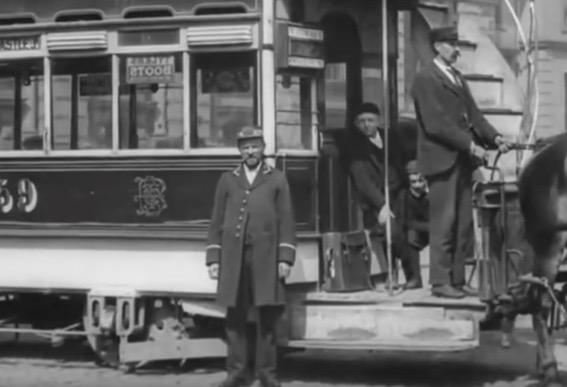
261	177
444	79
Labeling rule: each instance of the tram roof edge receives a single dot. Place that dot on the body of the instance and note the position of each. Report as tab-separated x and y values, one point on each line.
138	22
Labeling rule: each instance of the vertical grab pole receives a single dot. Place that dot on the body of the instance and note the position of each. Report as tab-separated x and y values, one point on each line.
386	98
267	76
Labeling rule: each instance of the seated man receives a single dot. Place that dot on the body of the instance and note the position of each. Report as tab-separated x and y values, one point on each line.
367	172
412	236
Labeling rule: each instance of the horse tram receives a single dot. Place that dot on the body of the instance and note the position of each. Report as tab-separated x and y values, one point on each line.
117	119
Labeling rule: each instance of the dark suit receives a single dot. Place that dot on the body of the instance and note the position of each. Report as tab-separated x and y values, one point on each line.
252	230
367	173
412	218
448	121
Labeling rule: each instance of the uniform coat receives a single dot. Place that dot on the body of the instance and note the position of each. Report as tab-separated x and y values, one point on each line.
261	216
448	122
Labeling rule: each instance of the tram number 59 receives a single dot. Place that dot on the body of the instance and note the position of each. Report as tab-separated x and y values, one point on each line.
25	201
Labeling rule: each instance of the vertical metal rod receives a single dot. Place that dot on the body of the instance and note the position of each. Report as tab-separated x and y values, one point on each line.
18	111
386	97
186	103
268	78
47	99
115	102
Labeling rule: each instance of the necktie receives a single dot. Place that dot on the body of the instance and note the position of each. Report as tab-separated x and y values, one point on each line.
456	76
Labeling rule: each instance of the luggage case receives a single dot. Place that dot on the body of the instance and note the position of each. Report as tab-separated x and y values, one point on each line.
346	262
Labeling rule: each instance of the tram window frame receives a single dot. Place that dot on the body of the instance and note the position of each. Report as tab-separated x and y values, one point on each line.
304	80
199	60
127	143
18	147
74	114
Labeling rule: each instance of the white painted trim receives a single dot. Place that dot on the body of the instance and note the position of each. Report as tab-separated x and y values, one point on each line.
314	116
77	41
47	113
282	152
115	104
228	151
233	34
186	101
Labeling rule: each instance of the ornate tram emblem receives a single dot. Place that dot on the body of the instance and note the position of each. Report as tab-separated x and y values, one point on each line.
151	196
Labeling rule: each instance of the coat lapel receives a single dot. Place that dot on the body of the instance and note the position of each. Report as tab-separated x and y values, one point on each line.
445	79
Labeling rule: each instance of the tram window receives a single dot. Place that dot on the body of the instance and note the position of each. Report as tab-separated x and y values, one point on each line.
21	105
294	111
223	96
82	103
151	102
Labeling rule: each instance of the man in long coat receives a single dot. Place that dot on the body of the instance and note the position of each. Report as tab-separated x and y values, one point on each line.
453	137
367	172
251	249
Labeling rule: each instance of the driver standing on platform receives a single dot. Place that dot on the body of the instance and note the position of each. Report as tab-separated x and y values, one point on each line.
250	250
453	136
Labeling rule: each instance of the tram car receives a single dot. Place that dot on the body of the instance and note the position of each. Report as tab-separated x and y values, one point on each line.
117	119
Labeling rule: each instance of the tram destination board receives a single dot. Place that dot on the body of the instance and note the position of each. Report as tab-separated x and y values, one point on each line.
20	43
299	47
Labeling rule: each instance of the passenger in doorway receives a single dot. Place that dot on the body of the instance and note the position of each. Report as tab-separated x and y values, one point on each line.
453	138
367	172
412	215
250	250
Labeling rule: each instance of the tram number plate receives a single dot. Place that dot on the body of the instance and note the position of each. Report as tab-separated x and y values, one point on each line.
23	200
150	69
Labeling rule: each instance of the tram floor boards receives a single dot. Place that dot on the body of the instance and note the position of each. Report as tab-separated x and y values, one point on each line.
415	297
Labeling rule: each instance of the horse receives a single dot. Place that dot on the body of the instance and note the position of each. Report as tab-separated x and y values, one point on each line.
542	194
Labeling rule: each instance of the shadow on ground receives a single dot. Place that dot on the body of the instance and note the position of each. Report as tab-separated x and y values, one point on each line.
489	365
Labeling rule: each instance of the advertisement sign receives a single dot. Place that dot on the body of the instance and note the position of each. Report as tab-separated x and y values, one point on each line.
150	69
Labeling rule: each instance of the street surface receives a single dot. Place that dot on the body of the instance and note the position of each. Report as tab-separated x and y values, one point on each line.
33	364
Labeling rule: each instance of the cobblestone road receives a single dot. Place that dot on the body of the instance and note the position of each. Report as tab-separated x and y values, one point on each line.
40	365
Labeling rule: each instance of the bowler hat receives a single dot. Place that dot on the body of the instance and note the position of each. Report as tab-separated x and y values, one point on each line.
444	34
367	107
249	133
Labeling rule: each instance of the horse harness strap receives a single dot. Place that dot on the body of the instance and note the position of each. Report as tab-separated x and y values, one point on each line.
542	281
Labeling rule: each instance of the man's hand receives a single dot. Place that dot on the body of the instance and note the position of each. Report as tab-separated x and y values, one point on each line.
503	144
283	270
214	271
479	153
383	215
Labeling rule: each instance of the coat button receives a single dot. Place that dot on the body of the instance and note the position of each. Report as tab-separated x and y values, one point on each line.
247	192
237	235
238	227
244	201
242	209
240	218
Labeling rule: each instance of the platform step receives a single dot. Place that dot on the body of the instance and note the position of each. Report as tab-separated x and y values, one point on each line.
376	323
389	345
